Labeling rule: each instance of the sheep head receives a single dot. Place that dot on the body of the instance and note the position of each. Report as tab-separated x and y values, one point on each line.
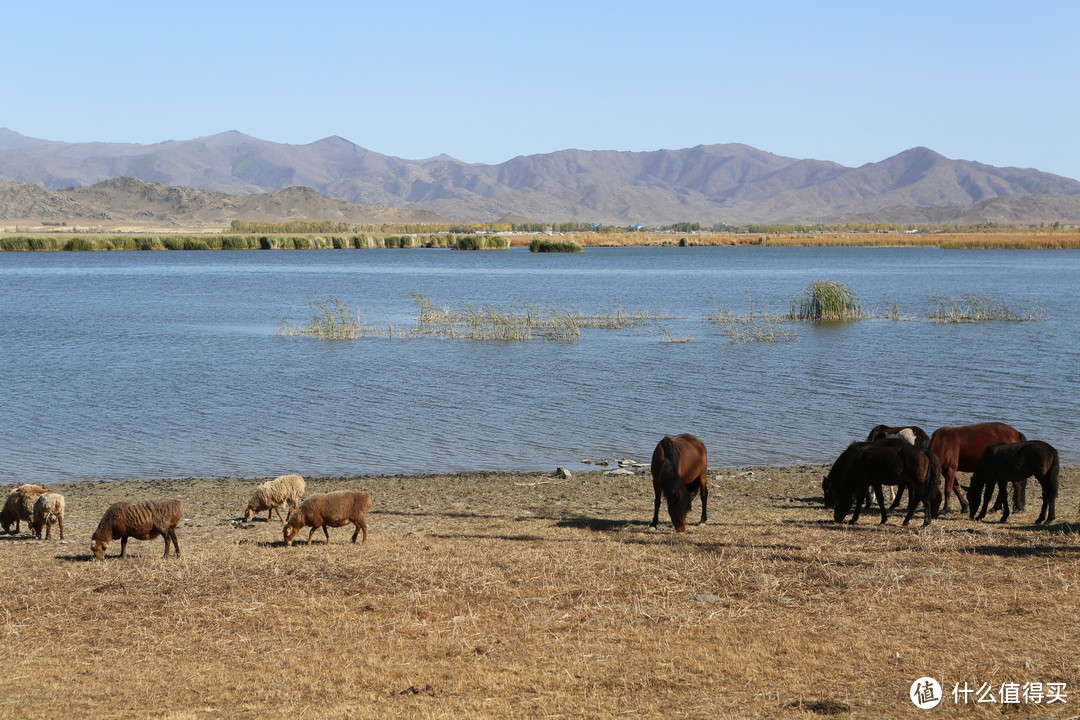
97	549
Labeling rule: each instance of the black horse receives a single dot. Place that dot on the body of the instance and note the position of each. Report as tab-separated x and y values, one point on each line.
883	462
1002	463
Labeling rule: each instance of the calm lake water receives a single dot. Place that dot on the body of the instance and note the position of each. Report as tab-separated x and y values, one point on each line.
166	364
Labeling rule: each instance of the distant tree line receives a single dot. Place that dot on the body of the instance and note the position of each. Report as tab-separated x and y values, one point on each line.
302	227
294	227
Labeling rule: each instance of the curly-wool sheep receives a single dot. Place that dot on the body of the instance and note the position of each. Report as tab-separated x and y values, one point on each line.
142	520
329	510
272	494
19	506
48	511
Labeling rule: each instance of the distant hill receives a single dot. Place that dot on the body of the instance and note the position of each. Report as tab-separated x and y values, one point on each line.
729	183
137	203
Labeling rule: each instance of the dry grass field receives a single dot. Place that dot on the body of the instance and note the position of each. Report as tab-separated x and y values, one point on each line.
524	596
1003	239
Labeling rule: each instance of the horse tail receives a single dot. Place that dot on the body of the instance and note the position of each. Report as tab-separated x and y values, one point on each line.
933	483
678	497
1052	475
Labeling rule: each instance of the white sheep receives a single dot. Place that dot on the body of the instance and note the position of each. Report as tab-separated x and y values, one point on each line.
19	506
142	520
48	510
329	510
272	494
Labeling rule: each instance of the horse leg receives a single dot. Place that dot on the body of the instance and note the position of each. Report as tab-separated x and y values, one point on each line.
949	473
978	494
1003	492
896	498
656	506
881	503
1020	495
927	512
704	483
960	495
1046	514
912	504
860	495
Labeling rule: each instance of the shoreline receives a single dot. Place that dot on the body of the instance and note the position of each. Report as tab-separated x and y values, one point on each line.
492	595
202	239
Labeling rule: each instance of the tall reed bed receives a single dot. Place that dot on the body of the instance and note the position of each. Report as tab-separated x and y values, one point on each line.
552	246
85	242
827	301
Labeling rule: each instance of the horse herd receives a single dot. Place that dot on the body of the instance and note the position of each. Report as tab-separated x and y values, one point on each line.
906	457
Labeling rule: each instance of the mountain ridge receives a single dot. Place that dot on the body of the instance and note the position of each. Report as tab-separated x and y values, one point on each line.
720	183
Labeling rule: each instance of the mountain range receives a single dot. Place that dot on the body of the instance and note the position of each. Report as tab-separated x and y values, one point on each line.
236	176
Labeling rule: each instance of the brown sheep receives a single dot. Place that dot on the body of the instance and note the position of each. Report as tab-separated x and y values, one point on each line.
48	510
142	520
19	506
272	494
329	510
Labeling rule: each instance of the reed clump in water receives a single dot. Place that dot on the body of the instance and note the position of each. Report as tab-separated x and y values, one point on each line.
331	319
827	301
525	322
554	246
749	327
981	308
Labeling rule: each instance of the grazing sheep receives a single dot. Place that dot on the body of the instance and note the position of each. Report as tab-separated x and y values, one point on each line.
272	494
48	510
19	506
329	510
142	520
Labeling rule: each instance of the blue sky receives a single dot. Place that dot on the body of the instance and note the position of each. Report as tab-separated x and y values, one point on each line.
852	82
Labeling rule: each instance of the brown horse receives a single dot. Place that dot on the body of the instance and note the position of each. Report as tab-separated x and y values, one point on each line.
1003	463
884	462
959	448
679	465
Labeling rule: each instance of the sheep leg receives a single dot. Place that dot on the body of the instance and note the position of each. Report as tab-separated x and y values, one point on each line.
60	522
176	545
360	525
123	546
313	529
277	509
326	532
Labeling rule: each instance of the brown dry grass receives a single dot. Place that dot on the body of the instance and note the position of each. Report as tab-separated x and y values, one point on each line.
1058	239
518	595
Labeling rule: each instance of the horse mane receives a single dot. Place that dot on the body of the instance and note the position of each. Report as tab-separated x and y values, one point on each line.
677	494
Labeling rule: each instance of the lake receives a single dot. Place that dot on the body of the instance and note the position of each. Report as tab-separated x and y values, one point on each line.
168	364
